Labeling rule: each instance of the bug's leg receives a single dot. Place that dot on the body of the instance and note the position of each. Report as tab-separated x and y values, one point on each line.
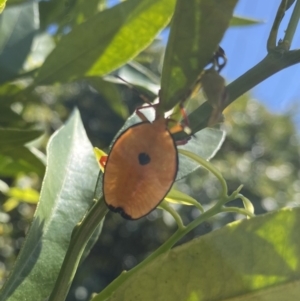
183	141
142	96
139	109
186	127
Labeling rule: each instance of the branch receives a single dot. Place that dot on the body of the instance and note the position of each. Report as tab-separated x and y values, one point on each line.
270	65
79	239
274	62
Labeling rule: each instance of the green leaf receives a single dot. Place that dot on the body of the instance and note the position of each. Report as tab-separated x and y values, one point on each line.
10	204
10	138
196	31
205	144
9	118
139	75
256	259
18	26
111	95
178	197
70	13
15	2
20	159
43	44
199	118
8	90
53	12
67	193
83	10
15	157
86	53
243	21
2	5
27	195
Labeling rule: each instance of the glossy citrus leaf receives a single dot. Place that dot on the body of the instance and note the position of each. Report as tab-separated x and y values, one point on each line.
110	94
8	90
67	14
9	118
17	195
42	45
15	2
15	157
256	259
20	159
84	53
196	31
2	5
141	77
199	118
18	25
67	193
27	195
53	12
10	138
83	10
10	204
178	197
204	144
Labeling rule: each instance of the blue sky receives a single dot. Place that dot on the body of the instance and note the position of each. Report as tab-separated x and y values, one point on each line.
246	46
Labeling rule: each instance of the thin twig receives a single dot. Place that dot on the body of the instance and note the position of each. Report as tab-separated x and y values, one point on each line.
270	65
164	205
272	40
289	34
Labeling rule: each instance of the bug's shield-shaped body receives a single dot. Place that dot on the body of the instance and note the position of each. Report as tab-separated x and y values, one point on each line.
140	169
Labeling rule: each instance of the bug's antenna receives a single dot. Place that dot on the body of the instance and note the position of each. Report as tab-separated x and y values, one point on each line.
143	97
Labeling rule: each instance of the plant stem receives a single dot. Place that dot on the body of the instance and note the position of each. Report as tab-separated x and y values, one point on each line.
186	201
247	203
164	205
182	230
106	293
80	236
238	210
271	64
290	31
272	40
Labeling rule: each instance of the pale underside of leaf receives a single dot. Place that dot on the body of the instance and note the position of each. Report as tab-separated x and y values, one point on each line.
256	259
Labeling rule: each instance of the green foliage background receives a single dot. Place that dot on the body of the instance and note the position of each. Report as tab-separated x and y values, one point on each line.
261	150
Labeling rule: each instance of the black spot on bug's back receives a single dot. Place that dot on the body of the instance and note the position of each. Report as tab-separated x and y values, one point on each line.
144	158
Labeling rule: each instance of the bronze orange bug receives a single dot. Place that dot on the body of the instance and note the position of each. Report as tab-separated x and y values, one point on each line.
141	166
